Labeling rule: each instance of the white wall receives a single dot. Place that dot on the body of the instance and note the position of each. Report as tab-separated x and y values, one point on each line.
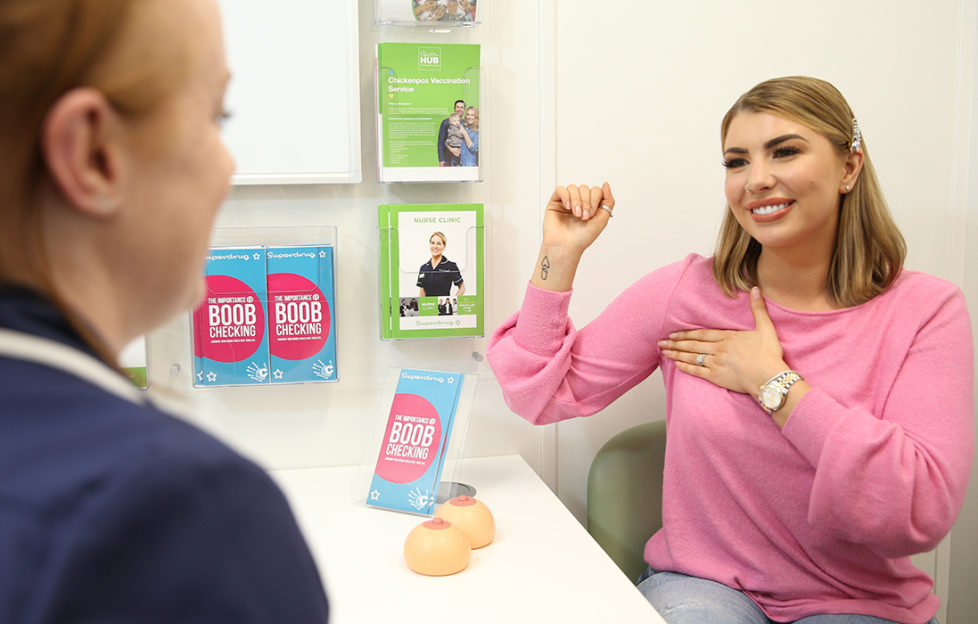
575	93
331	424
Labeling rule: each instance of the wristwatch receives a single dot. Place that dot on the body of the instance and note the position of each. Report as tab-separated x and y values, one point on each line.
774	391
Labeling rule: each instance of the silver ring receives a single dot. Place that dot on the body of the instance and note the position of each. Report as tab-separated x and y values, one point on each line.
610	214
700	359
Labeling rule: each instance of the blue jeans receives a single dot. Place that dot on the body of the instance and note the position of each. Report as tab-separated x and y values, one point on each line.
682	599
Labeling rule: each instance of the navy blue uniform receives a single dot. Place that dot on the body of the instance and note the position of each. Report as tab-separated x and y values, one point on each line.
437	282
112	510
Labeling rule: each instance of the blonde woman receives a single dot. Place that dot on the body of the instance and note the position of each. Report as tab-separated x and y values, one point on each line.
819	395
470	134
436	276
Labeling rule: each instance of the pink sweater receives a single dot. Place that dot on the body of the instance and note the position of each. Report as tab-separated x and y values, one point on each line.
819	517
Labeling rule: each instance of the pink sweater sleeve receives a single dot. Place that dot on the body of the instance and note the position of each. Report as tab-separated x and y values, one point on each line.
895	481
550	371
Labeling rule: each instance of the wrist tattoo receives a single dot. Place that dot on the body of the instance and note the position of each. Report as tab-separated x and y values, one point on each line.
545	268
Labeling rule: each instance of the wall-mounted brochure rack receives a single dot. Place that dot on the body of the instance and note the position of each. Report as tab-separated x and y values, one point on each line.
269	312
432	270
428	112
436	15
412	459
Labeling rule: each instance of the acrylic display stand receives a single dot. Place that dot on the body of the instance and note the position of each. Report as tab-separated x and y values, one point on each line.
417	87
435	15
442	486
275	236
405	232
266	321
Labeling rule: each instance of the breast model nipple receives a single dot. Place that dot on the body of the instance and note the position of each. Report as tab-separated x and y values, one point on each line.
472	517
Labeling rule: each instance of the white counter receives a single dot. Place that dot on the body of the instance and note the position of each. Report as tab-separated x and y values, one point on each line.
543	567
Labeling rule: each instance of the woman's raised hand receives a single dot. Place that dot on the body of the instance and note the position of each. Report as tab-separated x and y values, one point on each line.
573	218
574	215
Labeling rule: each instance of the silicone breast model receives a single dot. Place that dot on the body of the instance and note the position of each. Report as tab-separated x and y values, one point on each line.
437	548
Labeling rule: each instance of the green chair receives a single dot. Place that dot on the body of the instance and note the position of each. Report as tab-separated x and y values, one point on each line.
624	494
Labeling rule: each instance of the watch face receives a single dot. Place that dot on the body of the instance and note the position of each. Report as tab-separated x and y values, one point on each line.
771	397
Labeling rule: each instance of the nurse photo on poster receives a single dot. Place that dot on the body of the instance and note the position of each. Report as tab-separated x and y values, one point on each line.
437	275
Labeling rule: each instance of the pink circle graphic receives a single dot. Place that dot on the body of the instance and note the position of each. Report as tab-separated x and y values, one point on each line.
298	317
411	440
229	325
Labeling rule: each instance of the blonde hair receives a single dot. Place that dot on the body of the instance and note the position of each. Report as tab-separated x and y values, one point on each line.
444	241
48	48
869	249
475	113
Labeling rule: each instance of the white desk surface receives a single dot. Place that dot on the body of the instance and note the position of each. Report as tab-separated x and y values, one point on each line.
543	566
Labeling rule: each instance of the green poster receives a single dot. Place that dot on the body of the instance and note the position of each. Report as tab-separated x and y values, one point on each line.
431	270
428	112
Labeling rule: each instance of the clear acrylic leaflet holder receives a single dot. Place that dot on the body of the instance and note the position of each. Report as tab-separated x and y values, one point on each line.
405	250
420	497
434	15
416	86
289	301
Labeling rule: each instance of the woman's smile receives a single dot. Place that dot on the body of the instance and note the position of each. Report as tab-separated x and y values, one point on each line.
770	209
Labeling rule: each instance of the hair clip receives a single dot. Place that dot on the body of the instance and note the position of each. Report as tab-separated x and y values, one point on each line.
857	137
